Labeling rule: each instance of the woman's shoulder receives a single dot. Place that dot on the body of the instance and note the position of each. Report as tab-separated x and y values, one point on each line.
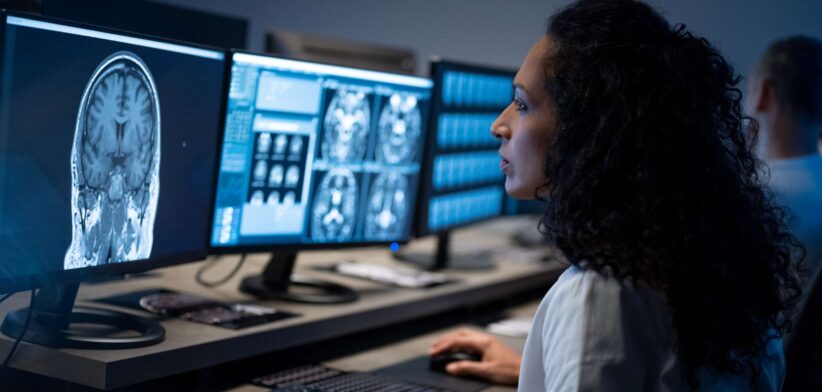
607	312
599	288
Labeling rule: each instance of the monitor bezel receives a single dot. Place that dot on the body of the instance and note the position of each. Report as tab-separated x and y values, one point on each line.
79	275
425	191
294	247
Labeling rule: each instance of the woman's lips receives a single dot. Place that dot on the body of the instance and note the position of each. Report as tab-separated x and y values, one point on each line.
503	165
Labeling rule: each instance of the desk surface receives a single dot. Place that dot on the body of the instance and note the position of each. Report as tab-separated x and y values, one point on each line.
411	348
190	346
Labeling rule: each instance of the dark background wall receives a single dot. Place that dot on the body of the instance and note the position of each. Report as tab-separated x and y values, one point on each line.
499	32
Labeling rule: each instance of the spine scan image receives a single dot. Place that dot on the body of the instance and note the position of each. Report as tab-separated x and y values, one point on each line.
387	207
335	207
115	165
347	121
399	129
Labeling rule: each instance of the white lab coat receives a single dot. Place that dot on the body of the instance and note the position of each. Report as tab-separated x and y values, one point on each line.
594	333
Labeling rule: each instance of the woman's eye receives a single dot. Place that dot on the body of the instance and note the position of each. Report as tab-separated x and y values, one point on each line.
520	106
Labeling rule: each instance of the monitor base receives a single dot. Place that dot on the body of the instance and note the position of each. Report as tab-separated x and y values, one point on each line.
56	322
276	280
444	258
476	261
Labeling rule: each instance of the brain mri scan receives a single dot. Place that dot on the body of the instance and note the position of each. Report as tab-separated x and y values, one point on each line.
387	207
115	165
296	146
335	206
273	198
292	176
280	143
275	177
399	129
263	143
257	198
260	170
289	198
347	121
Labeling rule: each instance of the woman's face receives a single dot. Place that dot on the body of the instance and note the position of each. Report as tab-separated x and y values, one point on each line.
527	126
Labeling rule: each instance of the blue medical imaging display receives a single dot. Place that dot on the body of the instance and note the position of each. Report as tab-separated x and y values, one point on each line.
317	154
465	184
107	148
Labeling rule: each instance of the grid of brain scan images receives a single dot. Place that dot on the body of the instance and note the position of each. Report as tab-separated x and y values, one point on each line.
465	182
318	154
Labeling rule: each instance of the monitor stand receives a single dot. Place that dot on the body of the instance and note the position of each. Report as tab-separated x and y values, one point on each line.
276	281
56	322
445	259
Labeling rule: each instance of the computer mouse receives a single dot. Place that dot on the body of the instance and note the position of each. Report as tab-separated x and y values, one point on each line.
438	362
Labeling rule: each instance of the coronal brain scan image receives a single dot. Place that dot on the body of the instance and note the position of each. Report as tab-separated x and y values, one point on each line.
275	177
260	170
257	198
280	143
273	198
296	147
289	198
387	207
335	207
115	165
347	121
399	129
263	143
292	176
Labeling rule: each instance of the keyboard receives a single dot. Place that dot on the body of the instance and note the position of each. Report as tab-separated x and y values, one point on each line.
300	375
367	382
318	378
396	276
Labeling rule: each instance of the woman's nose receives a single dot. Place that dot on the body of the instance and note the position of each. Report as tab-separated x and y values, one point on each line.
499	129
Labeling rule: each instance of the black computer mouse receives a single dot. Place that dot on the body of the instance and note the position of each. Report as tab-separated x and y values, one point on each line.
438	362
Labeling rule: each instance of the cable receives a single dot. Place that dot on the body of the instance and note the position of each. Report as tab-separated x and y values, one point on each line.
209	265
5	364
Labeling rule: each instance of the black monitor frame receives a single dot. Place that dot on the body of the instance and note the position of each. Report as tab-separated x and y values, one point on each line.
276	278
442	258
438	67
98	272
296	247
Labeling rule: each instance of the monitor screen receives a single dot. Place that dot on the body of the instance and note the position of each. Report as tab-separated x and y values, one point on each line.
318	154
463	182
107	149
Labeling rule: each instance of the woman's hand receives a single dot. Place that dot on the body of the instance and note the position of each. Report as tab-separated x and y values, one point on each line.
499	363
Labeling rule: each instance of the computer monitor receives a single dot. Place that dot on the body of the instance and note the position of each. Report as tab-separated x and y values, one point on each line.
315	156
108	146
462	182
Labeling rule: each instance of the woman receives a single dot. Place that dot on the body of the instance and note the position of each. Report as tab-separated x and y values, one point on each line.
680	271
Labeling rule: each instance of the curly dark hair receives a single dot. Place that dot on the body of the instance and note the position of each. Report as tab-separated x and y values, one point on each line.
652	175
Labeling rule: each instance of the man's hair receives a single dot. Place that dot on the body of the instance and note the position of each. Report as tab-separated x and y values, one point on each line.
794	66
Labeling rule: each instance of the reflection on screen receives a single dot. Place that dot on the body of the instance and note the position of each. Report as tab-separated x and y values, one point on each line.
318	154
466	184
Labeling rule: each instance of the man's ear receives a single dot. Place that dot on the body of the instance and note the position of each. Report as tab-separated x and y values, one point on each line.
766	97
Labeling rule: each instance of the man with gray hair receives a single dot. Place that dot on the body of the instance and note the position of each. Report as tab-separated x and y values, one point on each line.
785	97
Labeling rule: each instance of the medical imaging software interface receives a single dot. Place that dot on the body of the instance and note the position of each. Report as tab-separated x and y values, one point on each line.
466	184
317	153
107	147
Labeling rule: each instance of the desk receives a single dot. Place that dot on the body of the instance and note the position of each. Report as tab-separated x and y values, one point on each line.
191	346
411	348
